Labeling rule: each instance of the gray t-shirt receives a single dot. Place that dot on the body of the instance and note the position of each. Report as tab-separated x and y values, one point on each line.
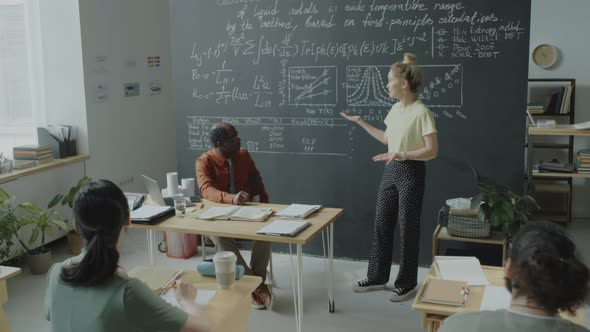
507	321
123	304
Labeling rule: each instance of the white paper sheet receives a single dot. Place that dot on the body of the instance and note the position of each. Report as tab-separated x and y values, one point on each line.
495	297
465	269
204	296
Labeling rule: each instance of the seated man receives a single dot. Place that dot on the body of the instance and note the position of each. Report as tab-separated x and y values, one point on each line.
227	174
545	275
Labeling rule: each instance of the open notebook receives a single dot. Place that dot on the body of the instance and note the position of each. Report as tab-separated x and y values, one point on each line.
236	213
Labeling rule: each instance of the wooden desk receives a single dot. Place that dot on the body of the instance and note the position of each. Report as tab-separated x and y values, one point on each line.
434	314
321	222
5	273
228	309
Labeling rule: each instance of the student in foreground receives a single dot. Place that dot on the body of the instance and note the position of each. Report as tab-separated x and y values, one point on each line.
411	139
91	293
544	275
227	174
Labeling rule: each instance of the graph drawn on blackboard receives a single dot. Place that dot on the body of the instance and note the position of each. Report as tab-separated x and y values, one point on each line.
442	86
313	86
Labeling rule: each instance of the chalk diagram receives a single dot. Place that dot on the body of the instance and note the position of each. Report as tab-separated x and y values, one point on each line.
442	86
313	86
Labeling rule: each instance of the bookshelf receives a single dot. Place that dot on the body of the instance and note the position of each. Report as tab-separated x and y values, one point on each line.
553	191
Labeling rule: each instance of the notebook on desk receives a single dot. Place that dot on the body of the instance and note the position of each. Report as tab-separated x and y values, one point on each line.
284	228
150	214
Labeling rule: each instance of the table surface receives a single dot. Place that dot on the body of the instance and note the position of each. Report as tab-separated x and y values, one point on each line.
495	276
242	229
224	303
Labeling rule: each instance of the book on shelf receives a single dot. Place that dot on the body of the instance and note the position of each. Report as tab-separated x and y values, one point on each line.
32	147
241	213
555	166
584	153
446	292
582	125
550	103
565	109
23	164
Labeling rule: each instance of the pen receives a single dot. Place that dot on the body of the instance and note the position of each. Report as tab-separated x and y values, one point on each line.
163	289
202	205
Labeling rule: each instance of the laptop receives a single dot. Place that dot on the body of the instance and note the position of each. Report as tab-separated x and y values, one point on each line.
156	194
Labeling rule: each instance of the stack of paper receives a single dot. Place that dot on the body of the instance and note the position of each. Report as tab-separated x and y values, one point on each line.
457	268
298	211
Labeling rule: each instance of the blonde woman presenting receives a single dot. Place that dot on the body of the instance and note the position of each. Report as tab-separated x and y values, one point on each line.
411	139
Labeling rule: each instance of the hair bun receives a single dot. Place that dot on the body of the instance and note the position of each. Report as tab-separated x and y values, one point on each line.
409	58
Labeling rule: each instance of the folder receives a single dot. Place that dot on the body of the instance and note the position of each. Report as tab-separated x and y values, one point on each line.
447	292
150	214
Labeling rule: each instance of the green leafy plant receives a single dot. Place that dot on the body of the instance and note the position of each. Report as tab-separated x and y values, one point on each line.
68	199
42	222
8	224
501	207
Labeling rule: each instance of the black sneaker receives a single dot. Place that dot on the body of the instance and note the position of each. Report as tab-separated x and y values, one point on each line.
365	285
401	294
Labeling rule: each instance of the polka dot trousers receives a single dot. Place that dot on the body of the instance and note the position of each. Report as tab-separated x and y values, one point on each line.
400	198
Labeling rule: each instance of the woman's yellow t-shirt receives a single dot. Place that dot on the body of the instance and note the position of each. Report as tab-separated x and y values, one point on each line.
407	126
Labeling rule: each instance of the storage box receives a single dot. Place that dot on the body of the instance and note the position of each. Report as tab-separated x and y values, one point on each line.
180	245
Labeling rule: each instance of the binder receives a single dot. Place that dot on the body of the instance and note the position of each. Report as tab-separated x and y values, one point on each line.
149	214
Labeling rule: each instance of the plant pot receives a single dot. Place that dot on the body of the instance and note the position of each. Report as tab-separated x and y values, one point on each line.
39	263
75	242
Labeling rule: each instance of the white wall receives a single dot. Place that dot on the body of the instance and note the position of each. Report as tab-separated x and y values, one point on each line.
62	62
562	23
134	135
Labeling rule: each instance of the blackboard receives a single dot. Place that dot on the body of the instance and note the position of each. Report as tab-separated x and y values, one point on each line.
281	71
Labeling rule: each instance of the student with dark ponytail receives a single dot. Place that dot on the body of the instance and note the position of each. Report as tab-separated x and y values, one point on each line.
545	276
91	293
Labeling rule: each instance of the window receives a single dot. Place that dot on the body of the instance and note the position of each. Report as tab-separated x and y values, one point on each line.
20	74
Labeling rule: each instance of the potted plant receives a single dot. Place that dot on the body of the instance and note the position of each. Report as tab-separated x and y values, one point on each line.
501	207
41	222
75	240
8	224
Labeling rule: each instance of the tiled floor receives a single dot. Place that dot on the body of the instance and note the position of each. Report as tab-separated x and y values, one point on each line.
354	312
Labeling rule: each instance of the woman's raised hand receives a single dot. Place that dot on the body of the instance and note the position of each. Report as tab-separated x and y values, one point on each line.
387	157
353	118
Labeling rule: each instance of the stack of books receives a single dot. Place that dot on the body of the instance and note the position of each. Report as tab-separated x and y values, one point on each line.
535	108
31	155
555	166
583	161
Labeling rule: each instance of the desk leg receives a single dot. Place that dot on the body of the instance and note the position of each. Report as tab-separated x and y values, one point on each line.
296	279
331	268
300	284
150	243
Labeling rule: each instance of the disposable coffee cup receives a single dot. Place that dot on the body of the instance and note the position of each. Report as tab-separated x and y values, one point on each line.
225	268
